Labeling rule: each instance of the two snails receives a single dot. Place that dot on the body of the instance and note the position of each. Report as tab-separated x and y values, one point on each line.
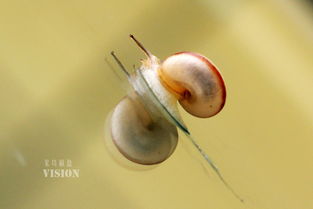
143	124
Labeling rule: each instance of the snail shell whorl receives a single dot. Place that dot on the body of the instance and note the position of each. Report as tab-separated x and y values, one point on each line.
196	81
140	137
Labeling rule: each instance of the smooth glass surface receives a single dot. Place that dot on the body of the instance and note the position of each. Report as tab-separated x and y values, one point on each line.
57	89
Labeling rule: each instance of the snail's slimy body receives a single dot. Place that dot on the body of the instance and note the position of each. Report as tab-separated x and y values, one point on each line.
147	83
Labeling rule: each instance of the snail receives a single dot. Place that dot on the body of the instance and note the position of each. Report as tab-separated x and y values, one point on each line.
143	125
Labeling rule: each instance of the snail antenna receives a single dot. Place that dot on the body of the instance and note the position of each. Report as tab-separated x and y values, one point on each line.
120	64
149	55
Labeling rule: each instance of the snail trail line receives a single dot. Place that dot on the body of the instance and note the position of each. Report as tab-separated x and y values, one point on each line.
213	166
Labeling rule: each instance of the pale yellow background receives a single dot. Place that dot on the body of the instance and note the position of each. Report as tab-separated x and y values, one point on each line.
56	90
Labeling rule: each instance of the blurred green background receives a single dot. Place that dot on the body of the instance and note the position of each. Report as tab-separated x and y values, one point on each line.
56	91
